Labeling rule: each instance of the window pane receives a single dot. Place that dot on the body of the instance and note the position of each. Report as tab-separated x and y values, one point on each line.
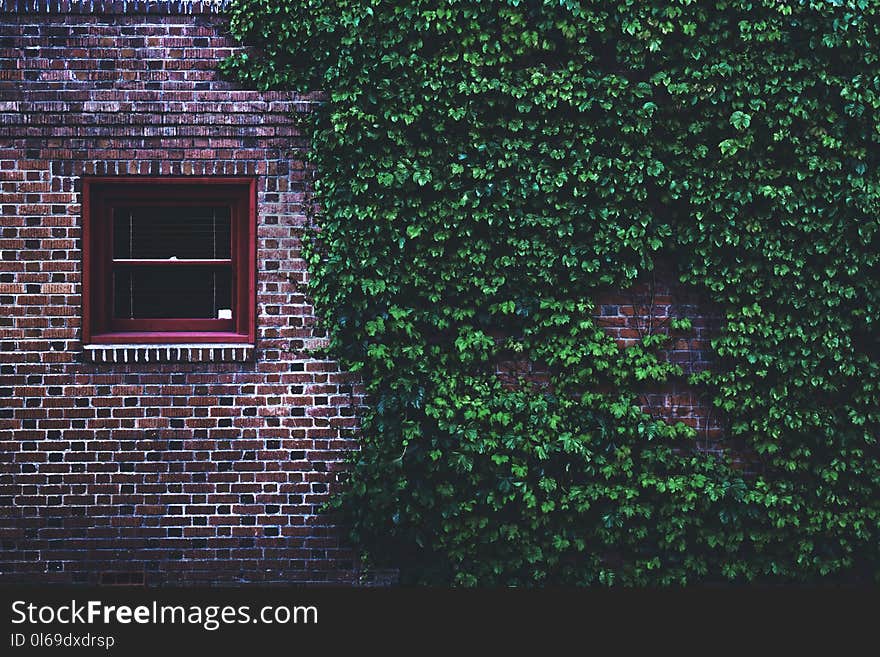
171	292
168	232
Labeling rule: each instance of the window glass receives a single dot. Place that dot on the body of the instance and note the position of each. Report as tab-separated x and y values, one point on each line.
152	292
150	233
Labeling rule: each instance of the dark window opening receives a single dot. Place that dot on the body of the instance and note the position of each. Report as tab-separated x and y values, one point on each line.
197	233
169	260
179	292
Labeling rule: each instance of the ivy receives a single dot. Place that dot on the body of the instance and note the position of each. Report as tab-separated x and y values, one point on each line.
484	168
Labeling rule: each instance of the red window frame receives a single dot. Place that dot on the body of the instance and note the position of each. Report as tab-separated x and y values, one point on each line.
101	195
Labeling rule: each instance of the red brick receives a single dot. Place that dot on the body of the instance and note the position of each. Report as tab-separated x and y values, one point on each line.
129	477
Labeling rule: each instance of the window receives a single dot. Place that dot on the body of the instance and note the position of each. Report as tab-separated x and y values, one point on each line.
168	260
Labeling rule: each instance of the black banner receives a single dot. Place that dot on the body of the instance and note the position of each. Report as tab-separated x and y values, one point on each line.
123	621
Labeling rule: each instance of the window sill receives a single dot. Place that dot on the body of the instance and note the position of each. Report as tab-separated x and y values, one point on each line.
168	353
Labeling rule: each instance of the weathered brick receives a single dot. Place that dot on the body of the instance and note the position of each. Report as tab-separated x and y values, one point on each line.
115	469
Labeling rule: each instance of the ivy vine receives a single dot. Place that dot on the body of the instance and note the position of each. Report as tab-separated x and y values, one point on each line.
484	167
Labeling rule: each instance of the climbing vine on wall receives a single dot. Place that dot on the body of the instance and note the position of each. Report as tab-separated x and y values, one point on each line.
483	168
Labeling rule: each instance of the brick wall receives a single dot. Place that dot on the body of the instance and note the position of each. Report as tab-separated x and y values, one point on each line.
648	308
215	471
644	309
176	472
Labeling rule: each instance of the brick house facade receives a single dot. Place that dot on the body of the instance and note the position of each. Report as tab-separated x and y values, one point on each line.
151	464
175	462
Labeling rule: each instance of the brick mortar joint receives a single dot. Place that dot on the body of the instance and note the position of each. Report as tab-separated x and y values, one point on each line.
115	7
